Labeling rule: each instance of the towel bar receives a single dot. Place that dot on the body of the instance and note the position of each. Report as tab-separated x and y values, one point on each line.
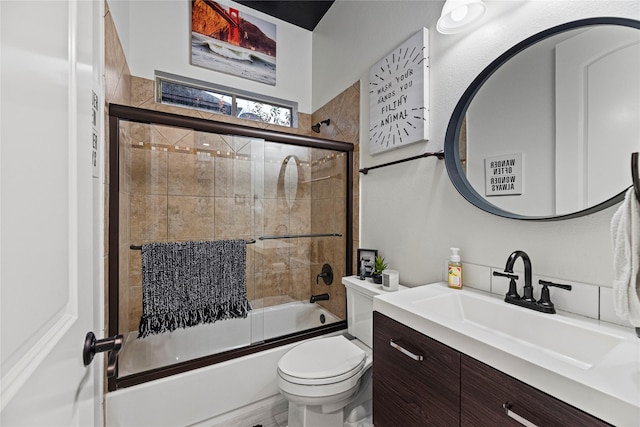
137	248
298	236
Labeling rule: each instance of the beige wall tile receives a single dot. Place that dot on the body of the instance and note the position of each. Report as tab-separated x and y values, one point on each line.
300	215
148	171
274	282
233	217
274	257
124	220
148	217
191	218
135	266
135	307
210	141
270	180
233	178
299	287
123	291
115	61
348	119
140	133
190	174
124	156
333	166
300	253
142	91
274	218
170	136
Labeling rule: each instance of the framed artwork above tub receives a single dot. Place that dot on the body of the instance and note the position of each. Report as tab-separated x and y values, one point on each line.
229	41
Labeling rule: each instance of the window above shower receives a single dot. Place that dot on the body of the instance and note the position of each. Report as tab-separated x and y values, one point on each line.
200	95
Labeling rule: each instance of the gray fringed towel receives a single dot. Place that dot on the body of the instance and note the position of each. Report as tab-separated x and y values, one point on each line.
188	283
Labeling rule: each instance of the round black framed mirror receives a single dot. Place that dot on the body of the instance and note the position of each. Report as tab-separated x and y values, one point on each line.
546	131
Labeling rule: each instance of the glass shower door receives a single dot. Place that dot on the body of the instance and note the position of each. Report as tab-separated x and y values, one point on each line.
181	185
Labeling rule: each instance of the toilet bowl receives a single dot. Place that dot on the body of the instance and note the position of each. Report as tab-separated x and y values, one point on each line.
327	381
320	378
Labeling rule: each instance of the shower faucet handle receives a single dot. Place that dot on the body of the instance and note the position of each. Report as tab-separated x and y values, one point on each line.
326	274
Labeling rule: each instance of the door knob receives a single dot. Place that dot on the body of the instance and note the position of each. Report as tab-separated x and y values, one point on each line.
113	345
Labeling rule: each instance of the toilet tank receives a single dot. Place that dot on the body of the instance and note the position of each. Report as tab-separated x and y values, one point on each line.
360	295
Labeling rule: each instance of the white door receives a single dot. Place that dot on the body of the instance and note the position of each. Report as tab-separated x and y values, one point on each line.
50	210
597	115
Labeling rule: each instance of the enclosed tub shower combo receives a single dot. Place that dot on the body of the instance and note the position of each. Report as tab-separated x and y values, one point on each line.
223	241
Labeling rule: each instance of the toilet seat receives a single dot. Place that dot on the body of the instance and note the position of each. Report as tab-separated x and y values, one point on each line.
322	361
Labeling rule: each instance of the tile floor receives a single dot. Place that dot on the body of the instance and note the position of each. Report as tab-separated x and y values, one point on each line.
267	416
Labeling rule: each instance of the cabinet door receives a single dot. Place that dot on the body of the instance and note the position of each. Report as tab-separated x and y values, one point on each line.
408	392
484	390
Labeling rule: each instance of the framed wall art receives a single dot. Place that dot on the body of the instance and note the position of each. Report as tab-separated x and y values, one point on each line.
366	261
399	96
229	41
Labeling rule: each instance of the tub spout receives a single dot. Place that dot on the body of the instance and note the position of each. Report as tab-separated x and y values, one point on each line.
321	297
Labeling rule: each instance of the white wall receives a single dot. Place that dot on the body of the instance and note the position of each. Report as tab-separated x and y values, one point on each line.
159	38
412	213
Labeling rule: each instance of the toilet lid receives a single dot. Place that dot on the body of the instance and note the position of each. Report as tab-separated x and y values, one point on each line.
331	359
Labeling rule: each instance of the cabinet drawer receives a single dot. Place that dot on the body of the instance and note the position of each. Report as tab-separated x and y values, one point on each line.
484	390
409	392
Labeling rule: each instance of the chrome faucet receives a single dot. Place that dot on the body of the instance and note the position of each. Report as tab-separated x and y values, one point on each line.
527	300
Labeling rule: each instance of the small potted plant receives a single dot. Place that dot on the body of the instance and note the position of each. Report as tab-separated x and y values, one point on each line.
378	266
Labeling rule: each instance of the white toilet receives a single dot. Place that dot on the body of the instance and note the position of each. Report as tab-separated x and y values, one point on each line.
328	381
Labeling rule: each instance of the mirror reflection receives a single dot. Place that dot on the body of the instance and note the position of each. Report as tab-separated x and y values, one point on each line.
550	131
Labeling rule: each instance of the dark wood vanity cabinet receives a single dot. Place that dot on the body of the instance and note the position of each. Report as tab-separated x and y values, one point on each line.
484	390
448	388
407	392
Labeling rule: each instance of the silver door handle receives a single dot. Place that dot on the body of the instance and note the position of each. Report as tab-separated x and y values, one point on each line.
113	345
417	357
516	417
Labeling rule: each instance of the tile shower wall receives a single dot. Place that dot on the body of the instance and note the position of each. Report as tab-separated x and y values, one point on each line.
175	189
343	111
166	182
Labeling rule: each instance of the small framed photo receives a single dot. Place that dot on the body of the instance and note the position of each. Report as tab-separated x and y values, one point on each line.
366	261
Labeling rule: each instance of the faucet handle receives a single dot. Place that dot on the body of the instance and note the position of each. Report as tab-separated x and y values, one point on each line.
510	276
513	291
545	299
555	285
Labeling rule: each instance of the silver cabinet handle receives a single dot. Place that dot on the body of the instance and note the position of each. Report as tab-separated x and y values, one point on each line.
406	352
518	418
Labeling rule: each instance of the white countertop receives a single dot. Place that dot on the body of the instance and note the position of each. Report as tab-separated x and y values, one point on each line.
608	389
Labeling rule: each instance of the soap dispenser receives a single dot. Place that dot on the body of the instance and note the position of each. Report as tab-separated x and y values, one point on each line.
455	269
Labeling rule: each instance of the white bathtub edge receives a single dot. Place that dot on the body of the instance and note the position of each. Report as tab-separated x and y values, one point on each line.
199	395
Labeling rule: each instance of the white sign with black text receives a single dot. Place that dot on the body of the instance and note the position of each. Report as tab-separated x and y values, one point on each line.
503	175
399	96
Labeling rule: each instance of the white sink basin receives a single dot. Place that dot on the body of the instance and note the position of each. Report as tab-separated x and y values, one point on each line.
553	334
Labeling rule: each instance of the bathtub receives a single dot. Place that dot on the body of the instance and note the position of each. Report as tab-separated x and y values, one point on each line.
206	393
202	397
261	324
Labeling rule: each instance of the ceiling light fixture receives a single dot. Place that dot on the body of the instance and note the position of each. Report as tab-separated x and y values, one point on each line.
458	15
